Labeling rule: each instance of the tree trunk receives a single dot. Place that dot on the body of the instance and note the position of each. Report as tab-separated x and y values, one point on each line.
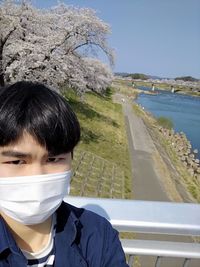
2	82
2	44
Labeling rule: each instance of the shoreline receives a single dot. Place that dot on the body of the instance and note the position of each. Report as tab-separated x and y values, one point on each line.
189	142
179	150
188	186
165	87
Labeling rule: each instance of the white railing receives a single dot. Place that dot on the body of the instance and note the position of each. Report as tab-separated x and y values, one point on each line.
166	218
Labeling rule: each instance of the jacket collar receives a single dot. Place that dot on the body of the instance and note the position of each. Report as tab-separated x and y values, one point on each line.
68	236
6	239
67	221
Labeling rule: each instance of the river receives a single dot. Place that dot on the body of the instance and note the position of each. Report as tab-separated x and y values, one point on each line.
183	110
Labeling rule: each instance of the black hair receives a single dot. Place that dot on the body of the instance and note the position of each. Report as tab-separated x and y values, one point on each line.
41	112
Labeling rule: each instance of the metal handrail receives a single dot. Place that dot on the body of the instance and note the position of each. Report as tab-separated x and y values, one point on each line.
161	248
166	218
145	216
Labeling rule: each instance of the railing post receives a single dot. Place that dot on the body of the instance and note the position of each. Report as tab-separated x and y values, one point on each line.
158	261
186	263
130	260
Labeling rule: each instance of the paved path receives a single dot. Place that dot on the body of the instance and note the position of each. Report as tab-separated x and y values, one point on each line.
147	184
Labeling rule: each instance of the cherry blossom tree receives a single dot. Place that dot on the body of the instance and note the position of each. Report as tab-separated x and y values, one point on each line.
98	76
53	46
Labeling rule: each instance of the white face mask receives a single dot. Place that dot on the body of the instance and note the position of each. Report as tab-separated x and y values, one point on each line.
33	199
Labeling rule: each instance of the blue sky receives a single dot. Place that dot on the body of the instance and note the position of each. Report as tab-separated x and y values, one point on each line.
157	37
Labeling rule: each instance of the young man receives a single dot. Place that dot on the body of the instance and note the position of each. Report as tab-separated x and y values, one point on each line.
38	132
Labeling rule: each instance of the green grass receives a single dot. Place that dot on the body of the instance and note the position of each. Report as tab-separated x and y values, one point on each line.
96	177
103	135
165	122
125	88
190	182
138	110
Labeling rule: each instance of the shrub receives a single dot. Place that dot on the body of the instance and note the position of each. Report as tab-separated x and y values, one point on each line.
165	122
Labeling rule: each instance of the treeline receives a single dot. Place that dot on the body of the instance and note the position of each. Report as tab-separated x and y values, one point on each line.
57	46
136	76
139	76
142	76
186	79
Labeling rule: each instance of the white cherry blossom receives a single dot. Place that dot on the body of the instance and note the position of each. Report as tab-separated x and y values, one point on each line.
53	46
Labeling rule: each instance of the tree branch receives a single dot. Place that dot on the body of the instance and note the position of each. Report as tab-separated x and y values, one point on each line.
8	35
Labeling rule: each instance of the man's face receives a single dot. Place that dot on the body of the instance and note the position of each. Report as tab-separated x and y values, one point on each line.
27	157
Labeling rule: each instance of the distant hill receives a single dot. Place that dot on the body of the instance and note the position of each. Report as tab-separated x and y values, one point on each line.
143	76
122	74
140	76
186	79
158	77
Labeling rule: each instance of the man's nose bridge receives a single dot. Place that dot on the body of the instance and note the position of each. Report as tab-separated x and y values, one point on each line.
37	169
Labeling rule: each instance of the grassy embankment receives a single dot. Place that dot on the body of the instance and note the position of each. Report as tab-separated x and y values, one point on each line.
103	150
101	160
125	88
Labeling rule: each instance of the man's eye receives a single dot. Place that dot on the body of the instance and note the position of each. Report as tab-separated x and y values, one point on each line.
15	162
54	160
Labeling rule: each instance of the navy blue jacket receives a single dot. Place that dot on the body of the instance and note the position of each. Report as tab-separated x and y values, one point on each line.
83	239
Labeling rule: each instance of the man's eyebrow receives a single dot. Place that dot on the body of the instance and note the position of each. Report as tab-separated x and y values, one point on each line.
15	154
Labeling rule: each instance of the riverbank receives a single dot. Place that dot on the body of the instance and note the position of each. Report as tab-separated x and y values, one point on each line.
179	89
151	177
183	176
178	155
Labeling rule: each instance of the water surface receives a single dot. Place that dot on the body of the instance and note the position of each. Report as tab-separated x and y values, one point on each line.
183	110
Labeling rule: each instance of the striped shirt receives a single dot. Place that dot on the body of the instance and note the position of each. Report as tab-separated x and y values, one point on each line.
46	256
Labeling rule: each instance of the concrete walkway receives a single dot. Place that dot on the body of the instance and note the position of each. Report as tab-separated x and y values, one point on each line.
147	185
